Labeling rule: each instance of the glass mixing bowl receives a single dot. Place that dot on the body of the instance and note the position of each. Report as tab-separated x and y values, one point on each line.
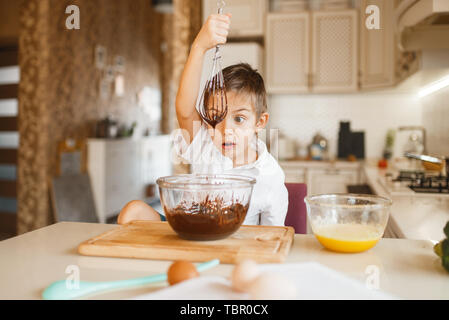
205	206
348	222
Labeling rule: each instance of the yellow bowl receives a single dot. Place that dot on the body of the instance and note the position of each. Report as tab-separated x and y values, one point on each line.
347	222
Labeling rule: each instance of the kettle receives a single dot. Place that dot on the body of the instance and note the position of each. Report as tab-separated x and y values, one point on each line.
319	148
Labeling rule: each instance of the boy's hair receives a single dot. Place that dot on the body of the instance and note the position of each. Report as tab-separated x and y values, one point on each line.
241	78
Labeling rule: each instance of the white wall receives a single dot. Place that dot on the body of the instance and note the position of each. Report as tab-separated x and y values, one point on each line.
301	116
435	114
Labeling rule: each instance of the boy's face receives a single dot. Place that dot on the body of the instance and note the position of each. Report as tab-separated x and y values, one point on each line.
234	135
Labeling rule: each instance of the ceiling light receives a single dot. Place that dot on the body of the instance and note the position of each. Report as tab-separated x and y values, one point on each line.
433	87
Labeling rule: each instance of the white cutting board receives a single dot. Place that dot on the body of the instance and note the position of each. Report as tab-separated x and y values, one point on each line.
313	281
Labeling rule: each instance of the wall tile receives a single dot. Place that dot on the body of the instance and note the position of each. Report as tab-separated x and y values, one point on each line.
302	116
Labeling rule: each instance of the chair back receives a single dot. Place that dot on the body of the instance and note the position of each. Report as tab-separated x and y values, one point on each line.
297	212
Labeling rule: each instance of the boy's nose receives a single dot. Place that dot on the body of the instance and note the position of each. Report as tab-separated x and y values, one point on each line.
223	130
225	127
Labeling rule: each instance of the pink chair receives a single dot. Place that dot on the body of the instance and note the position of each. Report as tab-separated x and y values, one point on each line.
297	212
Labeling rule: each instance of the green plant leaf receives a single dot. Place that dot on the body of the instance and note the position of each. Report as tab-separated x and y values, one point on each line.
446	229
445	248
445	262
438	249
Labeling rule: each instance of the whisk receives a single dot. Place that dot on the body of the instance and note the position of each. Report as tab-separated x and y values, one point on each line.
213	106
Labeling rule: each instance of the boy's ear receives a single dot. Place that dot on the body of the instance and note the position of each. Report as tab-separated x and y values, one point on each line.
263	120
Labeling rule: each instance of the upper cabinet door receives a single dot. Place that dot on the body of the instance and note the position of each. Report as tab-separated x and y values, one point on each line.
248	16
377	47
287	53
335	51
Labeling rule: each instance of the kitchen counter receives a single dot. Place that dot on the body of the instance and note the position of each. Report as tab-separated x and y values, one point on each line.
317	164
413	215
30	262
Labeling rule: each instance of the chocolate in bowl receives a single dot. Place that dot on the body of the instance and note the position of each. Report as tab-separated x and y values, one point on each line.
205	207
209	220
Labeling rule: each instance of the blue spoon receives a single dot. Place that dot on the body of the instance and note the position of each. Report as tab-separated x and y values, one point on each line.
58	290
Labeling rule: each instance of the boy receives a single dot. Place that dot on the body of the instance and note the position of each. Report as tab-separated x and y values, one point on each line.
232	147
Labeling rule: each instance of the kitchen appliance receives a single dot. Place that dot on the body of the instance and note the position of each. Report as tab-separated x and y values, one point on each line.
358	144
319	148
409	139
350	143
344	135
424	181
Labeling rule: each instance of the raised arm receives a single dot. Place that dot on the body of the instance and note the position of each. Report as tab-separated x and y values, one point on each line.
214	32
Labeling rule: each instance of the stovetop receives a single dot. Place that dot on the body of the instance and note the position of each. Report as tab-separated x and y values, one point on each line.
423	181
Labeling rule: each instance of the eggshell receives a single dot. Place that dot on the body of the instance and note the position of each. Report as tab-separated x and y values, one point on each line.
137	210
243	274
180	271
271	286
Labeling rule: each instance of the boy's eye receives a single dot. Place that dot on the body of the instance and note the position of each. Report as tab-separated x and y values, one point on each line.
239	119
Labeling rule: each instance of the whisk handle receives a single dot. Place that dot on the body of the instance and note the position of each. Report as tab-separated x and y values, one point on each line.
220	4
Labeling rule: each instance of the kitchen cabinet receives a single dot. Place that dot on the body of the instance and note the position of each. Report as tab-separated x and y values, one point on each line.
377	47
383	63
155	159
323	177
248	16
287	52
121	170
295	175
312	52
330	180
335	51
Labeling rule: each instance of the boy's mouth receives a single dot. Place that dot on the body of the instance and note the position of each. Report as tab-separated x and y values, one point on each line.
227	145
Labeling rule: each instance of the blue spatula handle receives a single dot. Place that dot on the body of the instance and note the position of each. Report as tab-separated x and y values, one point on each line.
60	291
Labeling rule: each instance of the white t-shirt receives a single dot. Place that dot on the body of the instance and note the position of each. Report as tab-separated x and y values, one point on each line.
269	201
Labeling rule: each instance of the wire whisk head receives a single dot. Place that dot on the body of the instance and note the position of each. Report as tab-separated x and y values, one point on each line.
213	106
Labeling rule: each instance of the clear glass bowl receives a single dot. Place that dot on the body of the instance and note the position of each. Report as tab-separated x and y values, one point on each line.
205	206
348	222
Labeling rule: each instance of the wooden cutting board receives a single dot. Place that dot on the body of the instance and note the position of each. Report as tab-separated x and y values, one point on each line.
156	240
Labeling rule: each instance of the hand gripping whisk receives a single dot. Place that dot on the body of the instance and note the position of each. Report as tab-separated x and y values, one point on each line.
213	106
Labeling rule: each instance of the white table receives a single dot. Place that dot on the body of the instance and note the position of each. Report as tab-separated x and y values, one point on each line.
30	262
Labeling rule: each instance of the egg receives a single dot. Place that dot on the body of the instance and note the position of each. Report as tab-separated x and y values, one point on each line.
243	274
271	286
137	210
180	271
